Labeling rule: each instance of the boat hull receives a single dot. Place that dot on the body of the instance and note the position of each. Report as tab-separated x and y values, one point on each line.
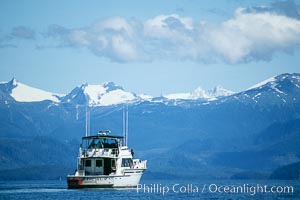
104	181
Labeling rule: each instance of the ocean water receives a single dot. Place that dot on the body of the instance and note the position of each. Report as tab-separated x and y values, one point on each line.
154	189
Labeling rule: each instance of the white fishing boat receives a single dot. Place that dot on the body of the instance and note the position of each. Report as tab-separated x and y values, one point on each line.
105	161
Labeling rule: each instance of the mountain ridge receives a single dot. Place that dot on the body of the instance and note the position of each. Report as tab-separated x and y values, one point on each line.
212	138
109	93
105	94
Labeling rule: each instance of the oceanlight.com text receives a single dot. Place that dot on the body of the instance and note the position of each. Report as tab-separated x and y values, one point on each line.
214	188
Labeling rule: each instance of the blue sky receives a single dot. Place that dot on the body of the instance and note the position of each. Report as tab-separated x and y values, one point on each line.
153	47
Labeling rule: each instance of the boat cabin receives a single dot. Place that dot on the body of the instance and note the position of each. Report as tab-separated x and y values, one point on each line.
99	155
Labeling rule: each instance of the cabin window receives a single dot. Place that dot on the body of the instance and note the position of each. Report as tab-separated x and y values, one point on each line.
88	163
92	144
127	162
113	163
99	163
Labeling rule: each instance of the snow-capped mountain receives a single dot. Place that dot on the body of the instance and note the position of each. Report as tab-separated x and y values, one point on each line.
145	97
200	93
226	127
219	91
99	95
281	89
278	83
24	93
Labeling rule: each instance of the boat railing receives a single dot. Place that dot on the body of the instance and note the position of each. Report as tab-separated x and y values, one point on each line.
101	152
139	164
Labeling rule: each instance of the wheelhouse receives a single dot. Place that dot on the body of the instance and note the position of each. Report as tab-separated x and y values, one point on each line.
99	154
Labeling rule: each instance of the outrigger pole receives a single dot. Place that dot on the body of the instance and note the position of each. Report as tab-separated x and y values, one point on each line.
125	125
87	122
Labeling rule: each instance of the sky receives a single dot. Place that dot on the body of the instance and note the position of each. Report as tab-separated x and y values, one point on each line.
152	47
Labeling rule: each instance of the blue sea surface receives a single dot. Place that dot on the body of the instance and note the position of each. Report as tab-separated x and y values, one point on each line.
149	189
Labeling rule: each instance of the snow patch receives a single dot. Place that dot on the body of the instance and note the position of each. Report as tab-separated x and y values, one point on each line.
262	83
200	93
219	91
254	100
175	96
145	96
257	95
94	93
77	112
276	89
116	97
14	82
106	94
24	93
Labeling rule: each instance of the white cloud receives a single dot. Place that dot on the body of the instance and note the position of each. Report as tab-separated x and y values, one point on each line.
254	36
248	35
23	32
124	49
18	33
168	26
79	37
113	38
117	24
171	36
